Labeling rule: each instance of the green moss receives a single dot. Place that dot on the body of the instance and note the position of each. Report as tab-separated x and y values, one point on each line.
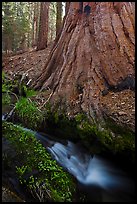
34	157
124	139
28	114
24	90
116	141
5	89
30	93
115	138
111	136
6	83
116	128
59	124
6	99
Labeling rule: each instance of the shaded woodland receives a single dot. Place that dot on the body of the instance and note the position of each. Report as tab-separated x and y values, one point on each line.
24	24
68	96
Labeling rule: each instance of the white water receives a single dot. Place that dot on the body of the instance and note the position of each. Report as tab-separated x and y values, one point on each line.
94	172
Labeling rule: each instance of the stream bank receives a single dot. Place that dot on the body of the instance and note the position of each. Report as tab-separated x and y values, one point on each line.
24	112
95	177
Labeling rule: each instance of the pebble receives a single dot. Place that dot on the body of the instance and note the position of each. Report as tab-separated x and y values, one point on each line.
122	113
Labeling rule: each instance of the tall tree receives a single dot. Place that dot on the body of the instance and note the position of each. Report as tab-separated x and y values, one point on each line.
15	25
95	52
52	22
7	26
43	26
59	17
35	23
67	7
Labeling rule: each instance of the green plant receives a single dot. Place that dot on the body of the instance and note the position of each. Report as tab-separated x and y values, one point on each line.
28	113
80	117
6	98
21	171
30	93
34	157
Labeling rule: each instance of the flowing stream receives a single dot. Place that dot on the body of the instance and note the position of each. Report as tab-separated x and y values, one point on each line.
99	178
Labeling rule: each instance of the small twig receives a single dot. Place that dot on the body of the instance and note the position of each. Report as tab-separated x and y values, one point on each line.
14	94
10	113
47	99
30	100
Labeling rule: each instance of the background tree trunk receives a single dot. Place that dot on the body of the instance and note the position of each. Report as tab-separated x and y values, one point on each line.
58	17
95	52
35	23
67	7
43	26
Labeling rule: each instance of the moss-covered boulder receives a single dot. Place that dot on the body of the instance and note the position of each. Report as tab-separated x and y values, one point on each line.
108	136
104	136
35	168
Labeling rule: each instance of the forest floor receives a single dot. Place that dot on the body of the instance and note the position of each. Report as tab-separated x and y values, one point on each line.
118	105
31	62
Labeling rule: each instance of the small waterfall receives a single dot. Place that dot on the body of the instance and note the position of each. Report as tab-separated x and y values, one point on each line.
94	173
87	169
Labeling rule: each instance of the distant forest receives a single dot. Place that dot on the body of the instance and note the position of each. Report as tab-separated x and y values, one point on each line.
26	24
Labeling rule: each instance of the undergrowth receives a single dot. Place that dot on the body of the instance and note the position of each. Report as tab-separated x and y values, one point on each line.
28	113
33	156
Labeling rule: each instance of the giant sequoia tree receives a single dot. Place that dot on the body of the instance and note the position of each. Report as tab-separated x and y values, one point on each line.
95	52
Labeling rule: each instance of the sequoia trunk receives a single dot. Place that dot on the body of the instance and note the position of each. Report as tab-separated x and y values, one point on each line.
95	53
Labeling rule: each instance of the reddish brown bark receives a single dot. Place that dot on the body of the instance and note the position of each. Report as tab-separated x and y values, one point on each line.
59	18
94	52
43	26
67	7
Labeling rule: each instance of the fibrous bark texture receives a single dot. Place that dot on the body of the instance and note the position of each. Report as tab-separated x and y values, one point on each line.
94	54
43	26
59	17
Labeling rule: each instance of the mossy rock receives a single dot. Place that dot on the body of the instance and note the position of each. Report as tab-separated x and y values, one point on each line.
107	136
35	167
113	137
123	139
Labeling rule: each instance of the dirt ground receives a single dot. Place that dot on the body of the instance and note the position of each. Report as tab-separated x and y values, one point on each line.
31	62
